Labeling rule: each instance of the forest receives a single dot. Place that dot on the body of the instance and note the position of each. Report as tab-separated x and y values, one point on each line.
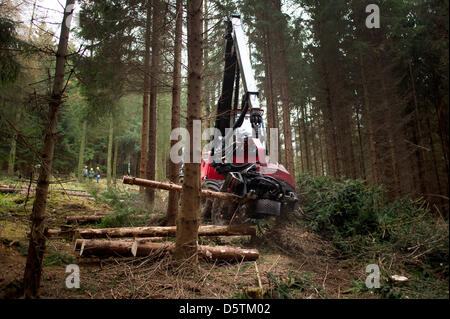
91	91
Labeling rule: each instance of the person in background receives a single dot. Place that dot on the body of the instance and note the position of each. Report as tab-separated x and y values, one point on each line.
91	174
97	173
85	173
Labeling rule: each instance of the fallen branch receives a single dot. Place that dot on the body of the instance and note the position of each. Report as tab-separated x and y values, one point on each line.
8	190
174	187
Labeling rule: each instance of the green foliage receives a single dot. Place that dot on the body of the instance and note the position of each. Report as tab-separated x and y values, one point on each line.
344	209
9	65
125	209
6	204
355	215
57	259
262	226
363	224
282	288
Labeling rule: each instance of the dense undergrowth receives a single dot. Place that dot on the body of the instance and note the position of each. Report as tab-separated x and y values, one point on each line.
400	236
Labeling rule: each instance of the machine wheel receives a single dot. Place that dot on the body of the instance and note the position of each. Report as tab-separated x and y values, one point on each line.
222	210
207	203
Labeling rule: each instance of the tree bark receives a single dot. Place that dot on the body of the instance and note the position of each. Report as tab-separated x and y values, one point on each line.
36	248
206	80
367	111
164	231
298	148
188	221
330	122
174	187
268	80
288	154
85	219
362	166
172	206
12	152
305	138
104	248
110	147
388	121
156	45
81	153
114	169
319	136
419	151
146	89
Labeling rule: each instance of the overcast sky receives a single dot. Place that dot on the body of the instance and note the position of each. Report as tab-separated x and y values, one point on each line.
48	11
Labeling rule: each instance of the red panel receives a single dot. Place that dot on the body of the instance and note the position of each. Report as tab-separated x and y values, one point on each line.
277	171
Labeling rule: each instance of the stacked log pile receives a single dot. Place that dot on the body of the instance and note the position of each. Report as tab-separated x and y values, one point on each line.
145	241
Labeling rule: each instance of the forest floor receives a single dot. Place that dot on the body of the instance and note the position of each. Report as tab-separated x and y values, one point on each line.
293	263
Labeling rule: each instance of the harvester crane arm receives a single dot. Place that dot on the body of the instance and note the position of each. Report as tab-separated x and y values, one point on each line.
237	64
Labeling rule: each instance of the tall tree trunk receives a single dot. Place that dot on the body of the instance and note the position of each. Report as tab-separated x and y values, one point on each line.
82	148
347	136
36	248
188	221
172	206
434	160
144	135
305	138
13	148
361	150
268	81
419	151
441	108
388	118
367	112
206	81
298	144
330	122
156	44
110	147
114	169
313	154
288	154
319	135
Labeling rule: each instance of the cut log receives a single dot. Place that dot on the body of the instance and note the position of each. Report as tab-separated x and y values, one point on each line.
124	248
8	190
174	187
168	231
84	219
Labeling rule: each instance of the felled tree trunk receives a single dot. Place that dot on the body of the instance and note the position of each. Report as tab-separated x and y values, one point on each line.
174	187
169	231
84	219
129	248
8	190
